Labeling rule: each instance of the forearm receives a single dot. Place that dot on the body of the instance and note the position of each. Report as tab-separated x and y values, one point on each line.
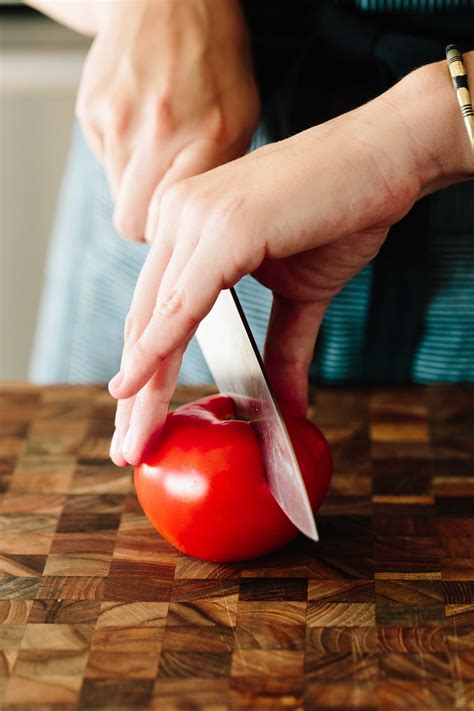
79	15
428	106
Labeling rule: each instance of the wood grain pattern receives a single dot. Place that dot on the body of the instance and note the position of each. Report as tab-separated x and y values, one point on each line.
98	612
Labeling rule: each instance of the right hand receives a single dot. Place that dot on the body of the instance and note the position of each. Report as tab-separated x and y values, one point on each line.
167	92
304	216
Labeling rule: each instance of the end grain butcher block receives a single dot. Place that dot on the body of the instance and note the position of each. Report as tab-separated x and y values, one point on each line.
98	612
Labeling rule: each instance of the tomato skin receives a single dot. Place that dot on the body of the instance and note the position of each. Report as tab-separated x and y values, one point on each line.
203	487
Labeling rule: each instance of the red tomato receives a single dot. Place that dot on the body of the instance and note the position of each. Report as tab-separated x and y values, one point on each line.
202	482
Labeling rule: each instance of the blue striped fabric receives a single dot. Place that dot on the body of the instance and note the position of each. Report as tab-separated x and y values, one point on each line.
446	350
340	352
419	6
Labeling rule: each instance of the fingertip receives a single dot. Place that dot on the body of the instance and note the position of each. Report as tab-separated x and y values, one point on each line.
115	443
134	462
128	223
116	380
131	449
125	390
120	388
119	460
116	450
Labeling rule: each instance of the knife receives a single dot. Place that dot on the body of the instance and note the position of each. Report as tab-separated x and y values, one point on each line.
231	353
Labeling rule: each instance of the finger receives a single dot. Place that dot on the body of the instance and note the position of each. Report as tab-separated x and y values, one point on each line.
151	407
116	157
146	290
152	404
175	316
94	140
289	348
90	123
196	158
122	420
145	169
180	257
148	285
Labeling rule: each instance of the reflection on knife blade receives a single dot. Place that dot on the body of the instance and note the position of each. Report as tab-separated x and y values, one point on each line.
233	358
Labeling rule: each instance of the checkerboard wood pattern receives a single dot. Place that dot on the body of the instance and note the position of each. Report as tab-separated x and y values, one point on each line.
98	612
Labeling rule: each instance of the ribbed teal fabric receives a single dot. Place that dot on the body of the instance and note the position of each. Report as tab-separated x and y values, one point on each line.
445	351
410	5
341	341
446	347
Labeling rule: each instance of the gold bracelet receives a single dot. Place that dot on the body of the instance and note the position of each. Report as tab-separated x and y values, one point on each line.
461	85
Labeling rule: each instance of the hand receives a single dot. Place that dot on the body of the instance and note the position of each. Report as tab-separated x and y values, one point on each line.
167	92
304	216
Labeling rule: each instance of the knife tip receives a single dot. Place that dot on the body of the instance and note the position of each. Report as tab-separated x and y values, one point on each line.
310	530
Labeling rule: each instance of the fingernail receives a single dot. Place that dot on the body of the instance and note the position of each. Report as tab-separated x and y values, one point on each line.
114	445
128	443
116	380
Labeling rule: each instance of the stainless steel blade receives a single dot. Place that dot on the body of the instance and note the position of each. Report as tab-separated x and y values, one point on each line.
233	358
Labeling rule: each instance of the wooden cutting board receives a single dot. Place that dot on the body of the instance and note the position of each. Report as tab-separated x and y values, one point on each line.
98	612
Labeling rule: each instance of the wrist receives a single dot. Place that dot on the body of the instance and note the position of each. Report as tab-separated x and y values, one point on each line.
430	112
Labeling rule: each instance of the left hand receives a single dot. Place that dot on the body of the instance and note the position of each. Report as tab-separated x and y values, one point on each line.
167	92
304	216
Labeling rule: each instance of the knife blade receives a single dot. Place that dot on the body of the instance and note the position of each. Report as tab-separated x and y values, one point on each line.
229	348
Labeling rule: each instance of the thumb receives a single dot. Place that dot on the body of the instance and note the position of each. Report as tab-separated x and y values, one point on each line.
289	348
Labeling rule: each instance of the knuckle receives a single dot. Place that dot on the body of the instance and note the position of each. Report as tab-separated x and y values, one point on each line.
140	351
87	105
200	203
140	399
128	225
180	307
146	353
217	127
296	364
147	356
235	268
190	317
230	132
162	116
192	321
228	209
195	212
83	110
118	119
130	326
224	218
175	197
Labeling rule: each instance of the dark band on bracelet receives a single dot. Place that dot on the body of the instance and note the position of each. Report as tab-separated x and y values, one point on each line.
461	86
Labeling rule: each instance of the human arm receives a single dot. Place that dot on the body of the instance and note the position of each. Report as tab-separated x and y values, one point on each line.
304	216
167	92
